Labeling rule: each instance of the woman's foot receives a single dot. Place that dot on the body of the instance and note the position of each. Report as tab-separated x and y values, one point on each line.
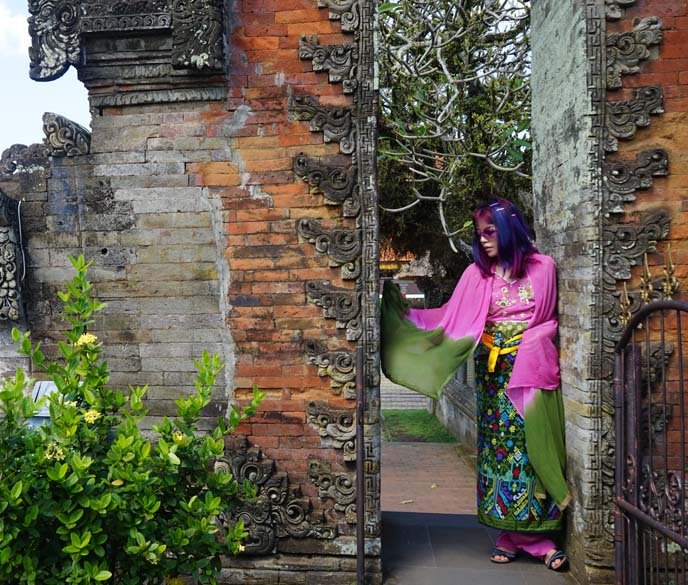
556	560
501	556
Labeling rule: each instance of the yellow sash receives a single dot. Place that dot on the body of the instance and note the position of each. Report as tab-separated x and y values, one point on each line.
497	350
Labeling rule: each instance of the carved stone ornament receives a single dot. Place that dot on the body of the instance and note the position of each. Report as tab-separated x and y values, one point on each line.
626	243
19	157
614	8
278	510
9	258
64	137
339	365
346	11
336	180
341	487
623	118
56	27
342	304
335	122
624	178
336	426
197	34
342	246
338	60
626	50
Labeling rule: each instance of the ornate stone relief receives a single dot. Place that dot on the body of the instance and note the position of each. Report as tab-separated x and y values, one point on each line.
335	122
9	258
342	304
626	50
56	28
336	426
623	118
161	96
346	11
341	487
342	246
20	157
197	34
338	60
64	137
624	178
626	243
615	8
278	511
336	180
339	365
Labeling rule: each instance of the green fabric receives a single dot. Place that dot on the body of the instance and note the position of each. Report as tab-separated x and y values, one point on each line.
423	361
544	423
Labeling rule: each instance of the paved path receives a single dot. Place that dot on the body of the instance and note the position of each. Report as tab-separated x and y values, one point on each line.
430	534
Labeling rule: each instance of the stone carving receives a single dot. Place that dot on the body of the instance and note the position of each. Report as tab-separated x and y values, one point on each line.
335	180
56	27
278	510
133	98
338	60
64	137
335	122
624	178
197	34
10	234
19	157
626	243
624	117
54	30
615	8
342	304
339	365
342	246
336	426
341	487
346	11
127	15
626	50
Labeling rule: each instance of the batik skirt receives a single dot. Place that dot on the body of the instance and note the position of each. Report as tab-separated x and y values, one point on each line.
506	478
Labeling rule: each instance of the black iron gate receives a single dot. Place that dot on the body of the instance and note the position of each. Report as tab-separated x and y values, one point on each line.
651	444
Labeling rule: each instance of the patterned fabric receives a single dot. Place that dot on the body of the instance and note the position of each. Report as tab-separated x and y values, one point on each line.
506	479
511	300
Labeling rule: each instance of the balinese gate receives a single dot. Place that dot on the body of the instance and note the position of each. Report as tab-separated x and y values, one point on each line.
651	447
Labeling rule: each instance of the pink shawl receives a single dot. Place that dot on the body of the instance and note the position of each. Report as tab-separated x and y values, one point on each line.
537	360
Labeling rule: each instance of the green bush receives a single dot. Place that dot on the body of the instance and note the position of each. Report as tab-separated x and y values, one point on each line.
88	497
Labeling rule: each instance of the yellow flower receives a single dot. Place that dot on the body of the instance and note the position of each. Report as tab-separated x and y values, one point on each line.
54	451
91	416
242	548
178	437
86	338
70	403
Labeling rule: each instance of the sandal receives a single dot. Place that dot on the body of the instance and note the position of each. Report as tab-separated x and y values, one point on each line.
500	552
557	555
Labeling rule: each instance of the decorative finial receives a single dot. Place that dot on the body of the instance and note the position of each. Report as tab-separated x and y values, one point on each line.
670	284
646	288
625	307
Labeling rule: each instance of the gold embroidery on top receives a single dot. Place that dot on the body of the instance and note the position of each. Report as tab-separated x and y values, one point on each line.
525	292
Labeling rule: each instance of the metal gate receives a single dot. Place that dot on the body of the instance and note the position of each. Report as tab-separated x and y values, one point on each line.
651	444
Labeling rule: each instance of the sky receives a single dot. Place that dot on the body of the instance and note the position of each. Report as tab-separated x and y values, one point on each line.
22	100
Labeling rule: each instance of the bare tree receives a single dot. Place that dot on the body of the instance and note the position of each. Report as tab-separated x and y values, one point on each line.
455	100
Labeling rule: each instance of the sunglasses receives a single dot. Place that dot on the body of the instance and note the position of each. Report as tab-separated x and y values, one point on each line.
489	233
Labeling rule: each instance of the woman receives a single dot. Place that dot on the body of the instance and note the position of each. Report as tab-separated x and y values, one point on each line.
503	310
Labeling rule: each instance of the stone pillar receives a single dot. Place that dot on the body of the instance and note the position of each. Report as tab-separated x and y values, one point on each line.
601	77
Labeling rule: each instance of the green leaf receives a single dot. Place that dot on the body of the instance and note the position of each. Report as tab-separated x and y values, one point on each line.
102	575
16	490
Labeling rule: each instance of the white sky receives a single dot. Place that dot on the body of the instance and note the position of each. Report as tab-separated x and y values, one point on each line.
22	100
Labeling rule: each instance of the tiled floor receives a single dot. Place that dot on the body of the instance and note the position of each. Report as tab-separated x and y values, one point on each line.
430	534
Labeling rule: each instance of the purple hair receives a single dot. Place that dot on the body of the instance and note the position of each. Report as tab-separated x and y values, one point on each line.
514	243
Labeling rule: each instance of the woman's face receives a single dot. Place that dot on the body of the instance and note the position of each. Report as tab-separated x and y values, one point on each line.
487	234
